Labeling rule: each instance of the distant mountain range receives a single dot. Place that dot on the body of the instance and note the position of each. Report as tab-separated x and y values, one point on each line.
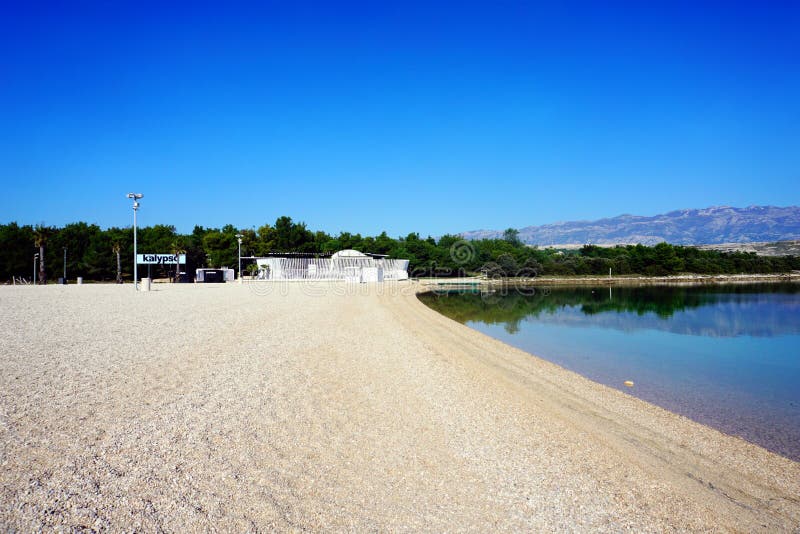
715	225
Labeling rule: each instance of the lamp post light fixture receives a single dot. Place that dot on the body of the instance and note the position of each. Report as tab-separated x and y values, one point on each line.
135	197
35	257
239	238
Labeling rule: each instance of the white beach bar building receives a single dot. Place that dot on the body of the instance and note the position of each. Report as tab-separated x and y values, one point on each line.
349	265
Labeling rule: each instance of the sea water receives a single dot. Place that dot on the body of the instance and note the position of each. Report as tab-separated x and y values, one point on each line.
725	356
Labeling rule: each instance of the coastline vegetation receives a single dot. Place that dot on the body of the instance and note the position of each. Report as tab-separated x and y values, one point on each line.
93	252
512	306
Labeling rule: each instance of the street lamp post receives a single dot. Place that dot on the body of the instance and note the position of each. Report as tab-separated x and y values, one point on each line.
35	257
65	266
135	197
239	238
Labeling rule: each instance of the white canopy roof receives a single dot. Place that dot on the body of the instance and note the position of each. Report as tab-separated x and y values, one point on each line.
348	253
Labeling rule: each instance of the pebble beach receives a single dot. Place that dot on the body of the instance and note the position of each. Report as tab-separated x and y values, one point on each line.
337	407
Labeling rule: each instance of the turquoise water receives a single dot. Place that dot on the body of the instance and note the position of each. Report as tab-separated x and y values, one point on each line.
726	356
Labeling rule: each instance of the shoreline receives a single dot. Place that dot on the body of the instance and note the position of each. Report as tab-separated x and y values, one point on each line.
696	457
629	280
338	407
747	409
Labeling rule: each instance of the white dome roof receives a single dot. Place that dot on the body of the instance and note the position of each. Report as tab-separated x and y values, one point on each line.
349	253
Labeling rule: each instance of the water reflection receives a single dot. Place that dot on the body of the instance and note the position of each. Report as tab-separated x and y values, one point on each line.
761	310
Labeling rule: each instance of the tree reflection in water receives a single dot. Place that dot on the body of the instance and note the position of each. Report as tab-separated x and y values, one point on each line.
762	310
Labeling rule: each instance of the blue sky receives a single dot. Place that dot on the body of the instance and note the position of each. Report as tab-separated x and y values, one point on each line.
431	117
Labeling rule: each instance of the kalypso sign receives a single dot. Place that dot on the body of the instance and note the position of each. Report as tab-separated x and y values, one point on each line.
161	259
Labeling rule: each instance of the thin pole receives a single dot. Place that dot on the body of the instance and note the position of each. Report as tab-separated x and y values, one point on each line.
34	268
239	239
135	262
135	197
65	265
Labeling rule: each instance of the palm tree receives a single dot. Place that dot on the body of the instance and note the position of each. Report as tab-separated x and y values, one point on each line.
40	235
116	248
177	249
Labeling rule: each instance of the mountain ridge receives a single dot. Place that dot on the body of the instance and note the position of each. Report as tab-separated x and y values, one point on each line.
691	226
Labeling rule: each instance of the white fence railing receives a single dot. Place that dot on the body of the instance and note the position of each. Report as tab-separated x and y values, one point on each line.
352	269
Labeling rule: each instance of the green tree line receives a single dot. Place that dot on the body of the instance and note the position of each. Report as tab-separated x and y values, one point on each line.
93	252
514	305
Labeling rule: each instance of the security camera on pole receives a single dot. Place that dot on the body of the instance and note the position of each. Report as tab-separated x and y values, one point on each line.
135	197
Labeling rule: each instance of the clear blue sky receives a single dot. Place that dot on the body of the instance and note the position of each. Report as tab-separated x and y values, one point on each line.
428	117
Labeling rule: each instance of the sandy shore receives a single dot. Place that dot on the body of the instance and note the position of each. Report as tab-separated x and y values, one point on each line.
337	407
